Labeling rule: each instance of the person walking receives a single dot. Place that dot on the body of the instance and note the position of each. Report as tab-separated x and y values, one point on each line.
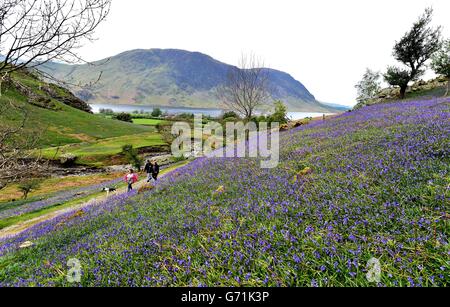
130	178
155	171
149	170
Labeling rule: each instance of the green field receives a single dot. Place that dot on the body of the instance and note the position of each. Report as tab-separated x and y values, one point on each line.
97	153
147	121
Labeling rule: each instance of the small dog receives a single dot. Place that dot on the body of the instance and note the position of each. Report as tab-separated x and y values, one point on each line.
109	190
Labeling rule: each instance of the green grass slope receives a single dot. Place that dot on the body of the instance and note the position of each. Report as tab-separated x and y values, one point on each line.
56	123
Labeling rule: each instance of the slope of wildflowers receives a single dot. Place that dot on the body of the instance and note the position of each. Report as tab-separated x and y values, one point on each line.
378	187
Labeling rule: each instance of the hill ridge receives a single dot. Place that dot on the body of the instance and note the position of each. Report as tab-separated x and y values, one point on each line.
171	78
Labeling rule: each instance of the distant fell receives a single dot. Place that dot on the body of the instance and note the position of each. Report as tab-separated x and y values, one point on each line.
172	78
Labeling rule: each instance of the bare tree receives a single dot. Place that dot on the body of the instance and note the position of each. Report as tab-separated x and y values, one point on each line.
32	33
246	86
17	158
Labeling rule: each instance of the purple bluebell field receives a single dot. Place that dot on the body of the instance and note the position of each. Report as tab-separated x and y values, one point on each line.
378	188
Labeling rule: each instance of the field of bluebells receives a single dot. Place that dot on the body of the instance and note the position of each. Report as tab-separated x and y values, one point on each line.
377	185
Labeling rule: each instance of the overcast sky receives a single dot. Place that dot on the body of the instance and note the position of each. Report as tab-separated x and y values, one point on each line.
325	44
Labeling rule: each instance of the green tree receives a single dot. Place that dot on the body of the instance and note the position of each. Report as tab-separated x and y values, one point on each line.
441	62
132	156
230	114
280	113
413	50
369	86
157	112
27	186
106	111
398	77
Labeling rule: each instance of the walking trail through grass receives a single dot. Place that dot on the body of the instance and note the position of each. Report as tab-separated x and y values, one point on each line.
73	205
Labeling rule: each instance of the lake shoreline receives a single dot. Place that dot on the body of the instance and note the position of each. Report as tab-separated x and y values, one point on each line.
130	108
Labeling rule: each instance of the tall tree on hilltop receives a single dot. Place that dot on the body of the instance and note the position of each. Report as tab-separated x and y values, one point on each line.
413	50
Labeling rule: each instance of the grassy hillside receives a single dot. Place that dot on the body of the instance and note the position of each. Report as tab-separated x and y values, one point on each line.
59	123
376	187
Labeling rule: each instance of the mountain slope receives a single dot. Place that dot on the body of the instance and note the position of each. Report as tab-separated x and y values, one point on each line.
170	77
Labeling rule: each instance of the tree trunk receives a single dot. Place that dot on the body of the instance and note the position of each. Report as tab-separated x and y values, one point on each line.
448	85
403	91
249	115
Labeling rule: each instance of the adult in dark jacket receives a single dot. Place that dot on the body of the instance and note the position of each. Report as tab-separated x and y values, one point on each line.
149	170
155	172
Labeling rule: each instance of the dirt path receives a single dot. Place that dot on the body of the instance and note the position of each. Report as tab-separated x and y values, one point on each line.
25	225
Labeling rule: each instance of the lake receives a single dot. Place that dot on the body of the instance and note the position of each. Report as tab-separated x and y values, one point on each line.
128	108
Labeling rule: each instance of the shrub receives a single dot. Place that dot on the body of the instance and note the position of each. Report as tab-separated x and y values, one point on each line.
125	117
27	186
157	112
230	114
106	111
132	156
231	119
280	114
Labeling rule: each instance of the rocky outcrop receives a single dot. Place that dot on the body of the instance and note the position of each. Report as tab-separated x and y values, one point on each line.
31	95
65	96
43	94
67	160
428	85
390	93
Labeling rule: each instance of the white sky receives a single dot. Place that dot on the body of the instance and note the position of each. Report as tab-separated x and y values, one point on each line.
325	44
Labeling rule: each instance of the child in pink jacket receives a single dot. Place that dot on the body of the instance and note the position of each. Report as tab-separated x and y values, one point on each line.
130	178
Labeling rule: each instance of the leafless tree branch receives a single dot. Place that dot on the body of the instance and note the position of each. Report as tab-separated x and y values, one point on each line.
34	32
17	142
246	86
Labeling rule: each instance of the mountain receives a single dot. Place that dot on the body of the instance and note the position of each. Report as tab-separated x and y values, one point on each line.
172	78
